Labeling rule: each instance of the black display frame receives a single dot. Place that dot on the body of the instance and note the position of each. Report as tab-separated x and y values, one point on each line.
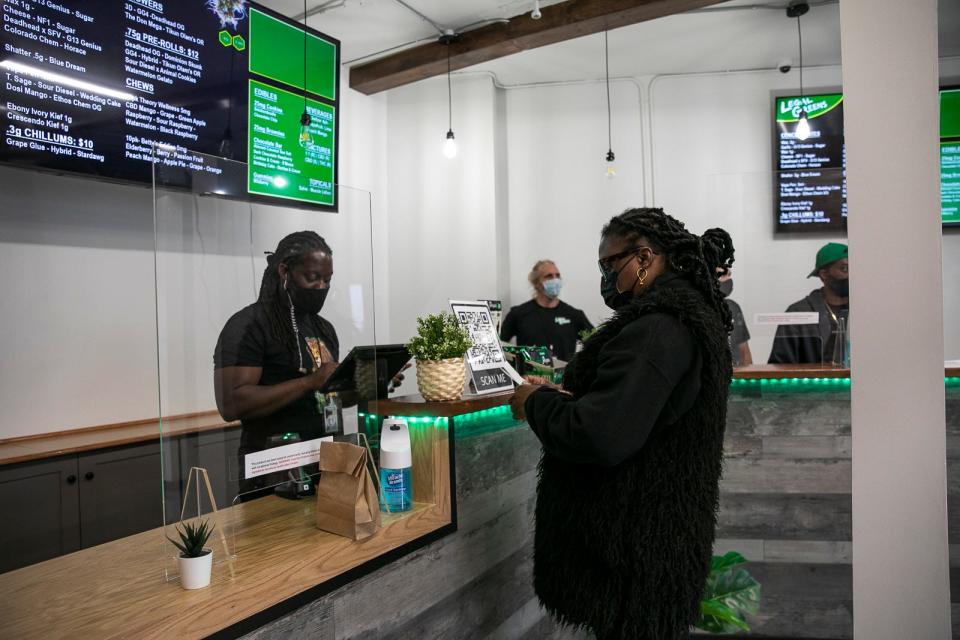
814	230
242	194
805	230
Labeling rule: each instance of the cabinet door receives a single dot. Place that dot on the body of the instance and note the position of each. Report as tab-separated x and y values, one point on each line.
41	511
215	451
120	490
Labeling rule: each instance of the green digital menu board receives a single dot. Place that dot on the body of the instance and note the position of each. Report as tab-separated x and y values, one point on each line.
950	156
96	88
279	166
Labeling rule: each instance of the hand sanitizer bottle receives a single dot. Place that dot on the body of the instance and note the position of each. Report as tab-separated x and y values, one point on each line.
396	480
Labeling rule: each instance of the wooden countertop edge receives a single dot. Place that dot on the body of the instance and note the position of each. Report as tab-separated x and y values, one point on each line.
416	406
162	609
50	445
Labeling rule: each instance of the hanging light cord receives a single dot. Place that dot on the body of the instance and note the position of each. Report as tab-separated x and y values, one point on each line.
449	93
305	56
800	42
606	55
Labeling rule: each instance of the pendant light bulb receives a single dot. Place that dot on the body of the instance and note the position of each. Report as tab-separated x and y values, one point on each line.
611	172
802	131
450	146
305	129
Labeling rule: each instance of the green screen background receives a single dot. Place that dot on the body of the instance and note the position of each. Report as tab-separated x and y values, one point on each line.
276	52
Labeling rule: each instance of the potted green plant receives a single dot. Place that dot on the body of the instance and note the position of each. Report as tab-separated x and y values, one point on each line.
439	347
729	594
195	560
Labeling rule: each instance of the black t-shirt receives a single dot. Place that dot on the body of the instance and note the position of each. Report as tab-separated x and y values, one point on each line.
739	334
247	341
556	328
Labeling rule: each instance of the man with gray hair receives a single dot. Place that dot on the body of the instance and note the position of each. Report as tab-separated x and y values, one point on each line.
546	320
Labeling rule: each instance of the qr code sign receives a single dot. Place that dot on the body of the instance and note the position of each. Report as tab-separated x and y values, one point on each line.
486	343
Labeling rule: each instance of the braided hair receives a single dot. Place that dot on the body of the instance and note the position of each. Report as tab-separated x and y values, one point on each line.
694	258
291	251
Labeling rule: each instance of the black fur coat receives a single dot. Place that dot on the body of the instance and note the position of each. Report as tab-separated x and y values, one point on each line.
624	550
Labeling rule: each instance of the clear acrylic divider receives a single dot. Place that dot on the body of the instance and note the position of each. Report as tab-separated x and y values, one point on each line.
786	487
778	222
247	471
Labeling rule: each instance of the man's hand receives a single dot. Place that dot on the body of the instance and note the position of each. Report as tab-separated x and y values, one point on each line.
520	398
318	377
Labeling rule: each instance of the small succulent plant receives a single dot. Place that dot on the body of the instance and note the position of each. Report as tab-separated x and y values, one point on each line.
193	538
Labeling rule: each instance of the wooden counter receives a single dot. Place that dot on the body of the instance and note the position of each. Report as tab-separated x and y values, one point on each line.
415	406
58	443
118	589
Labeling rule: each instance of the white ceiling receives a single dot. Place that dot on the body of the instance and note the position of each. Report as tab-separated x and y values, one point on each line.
743	35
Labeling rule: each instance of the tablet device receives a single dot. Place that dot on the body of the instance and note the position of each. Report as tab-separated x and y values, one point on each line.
368	370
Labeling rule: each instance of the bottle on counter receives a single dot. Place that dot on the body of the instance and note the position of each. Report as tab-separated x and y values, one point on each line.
396	461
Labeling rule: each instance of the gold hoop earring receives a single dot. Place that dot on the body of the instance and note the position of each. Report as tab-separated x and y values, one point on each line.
643	277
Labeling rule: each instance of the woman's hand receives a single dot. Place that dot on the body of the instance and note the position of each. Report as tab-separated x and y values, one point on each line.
397	380
520	398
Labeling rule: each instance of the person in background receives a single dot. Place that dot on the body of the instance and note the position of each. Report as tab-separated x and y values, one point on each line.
740	336
800	344
546	320
628	487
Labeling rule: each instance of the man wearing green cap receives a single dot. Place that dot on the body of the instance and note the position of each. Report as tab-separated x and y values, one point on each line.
795	344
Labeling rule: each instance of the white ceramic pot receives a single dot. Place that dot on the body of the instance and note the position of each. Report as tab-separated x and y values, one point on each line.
195	572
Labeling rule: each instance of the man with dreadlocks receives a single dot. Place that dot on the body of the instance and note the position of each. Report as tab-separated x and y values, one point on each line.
273	356
633	443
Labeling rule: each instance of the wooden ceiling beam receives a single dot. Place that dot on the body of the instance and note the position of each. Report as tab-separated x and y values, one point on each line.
564	21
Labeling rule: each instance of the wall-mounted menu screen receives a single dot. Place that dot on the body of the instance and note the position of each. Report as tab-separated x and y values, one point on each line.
950	156
95	87
810	177
810	183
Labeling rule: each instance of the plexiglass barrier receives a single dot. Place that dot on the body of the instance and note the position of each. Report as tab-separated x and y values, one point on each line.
793	311
786	487
257	303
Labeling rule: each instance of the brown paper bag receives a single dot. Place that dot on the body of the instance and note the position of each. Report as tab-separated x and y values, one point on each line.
347	502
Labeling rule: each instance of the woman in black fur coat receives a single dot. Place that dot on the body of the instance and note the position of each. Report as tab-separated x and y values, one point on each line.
633	442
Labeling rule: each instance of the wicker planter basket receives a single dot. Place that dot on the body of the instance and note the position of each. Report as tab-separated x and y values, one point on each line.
441	379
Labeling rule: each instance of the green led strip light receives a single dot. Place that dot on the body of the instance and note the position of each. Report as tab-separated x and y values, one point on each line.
501	415
810	382
485	414
790	382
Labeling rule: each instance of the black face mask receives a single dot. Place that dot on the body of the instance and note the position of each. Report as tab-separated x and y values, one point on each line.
306	300
726	287
608	289
839	287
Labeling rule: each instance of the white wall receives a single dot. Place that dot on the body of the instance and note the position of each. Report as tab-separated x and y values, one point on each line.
559	193
79	345
443	224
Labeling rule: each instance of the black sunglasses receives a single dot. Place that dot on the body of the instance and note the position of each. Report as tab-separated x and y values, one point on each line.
606	264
